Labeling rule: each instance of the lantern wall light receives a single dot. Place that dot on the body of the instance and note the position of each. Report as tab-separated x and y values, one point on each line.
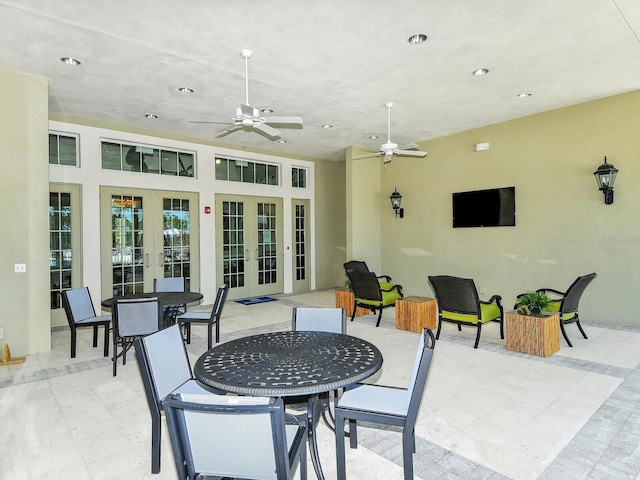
606	177
396	201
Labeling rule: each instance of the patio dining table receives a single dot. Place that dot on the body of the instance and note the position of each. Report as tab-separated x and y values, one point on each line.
169	301
290	363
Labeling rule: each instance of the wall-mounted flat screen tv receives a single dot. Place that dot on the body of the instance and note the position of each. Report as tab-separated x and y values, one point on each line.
485	208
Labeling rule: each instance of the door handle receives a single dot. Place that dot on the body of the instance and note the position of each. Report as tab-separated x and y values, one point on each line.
247	257
146	260
257	255
161	258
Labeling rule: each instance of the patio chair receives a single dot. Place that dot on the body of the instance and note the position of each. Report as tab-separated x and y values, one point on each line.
458	303
369	293
171	284
385	280
210	319
165	369
80	313
235	437
386	405
567	304
133	318
332	320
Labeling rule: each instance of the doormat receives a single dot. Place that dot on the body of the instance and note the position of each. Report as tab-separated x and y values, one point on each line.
254	300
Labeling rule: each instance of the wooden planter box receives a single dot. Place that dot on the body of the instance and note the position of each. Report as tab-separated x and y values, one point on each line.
535	335
344	299
415	313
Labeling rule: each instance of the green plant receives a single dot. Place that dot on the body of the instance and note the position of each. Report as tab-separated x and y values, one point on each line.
347	282
534	301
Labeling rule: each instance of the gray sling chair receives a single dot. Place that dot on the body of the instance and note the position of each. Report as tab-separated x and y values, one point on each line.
235	437
386	405
80	313
165	369
171	284
210	319
133	318
311	319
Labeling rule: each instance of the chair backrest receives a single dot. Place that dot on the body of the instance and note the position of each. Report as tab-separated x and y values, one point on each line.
164	363
574	293
77	305
175	284
356	265
136	317
419	374
365	285
221	296
228	436
332	320
455	294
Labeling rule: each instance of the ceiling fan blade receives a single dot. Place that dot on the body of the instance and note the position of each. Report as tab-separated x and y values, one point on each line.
283	120
267	130
366	155
227	130
409	146
410	153
219	123
388	156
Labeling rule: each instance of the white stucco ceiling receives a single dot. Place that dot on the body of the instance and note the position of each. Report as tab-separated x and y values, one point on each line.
332	61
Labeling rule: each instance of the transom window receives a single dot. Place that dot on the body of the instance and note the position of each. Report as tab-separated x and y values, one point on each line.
234	170
140	158
299	177
63	149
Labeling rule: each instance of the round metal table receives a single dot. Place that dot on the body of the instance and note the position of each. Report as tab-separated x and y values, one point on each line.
281	364
169	300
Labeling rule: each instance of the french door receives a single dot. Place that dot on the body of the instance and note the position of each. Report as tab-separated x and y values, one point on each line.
301	247
249	245
147	234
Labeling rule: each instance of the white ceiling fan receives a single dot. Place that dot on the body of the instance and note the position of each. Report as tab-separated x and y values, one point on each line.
248	117
389	149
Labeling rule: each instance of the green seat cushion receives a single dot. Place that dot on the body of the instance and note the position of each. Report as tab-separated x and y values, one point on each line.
388	299
385	285
555	307
488	312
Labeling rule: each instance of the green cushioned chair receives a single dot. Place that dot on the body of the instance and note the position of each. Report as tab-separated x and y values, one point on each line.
385	280
369	293
567	304
458	303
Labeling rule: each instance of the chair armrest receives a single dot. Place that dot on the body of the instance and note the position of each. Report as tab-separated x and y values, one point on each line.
495	298
395	287
551	290
386	277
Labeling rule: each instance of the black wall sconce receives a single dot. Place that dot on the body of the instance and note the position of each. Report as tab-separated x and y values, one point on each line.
396	200
606	177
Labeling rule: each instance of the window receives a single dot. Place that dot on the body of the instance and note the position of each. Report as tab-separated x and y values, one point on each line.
59	245
299	177
139	158
247	172
63	149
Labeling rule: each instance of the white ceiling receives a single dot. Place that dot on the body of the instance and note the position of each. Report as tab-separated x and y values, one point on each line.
331	61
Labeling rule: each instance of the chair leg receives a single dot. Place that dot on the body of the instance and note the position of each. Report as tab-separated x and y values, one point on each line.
340	450
106	340
439	327
156	431
379	317
580	328
478	335
95	335
353	433
564	333
115	357
187	328
502	328
218	330
459	327
353	313
73	343
408	447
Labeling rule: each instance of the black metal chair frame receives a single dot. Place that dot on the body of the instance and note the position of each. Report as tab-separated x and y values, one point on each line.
91	321
188	318
406	422
362	267
460	295
569	302
365	286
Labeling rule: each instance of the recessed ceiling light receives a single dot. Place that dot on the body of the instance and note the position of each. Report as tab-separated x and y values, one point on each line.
226	131
266	110
417	38
327	125
282	141
481	71
524	95
151	115
373	137
71	61
185	90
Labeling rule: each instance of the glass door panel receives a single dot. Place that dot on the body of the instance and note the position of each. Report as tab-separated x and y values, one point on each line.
301	262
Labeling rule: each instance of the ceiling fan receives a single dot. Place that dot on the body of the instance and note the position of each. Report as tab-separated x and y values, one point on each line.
389	149
248	117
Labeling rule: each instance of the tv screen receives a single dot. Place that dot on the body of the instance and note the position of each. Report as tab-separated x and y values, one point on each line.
485	208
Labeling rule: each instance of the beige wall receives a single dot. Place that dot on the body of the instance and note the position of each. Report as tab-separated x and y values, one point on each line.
24	187
563	230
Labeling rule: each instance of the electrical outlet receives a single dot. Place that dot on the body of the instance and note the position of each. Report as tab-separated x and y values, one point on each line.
20	268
